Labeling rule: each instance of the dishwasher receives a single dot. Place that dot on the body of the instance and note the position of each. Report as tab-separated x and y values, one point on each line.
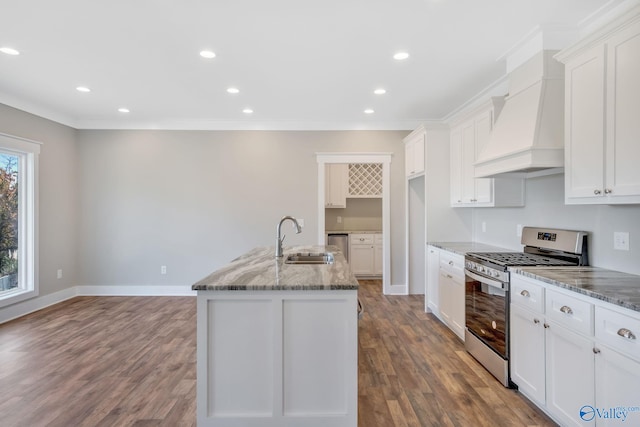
341	240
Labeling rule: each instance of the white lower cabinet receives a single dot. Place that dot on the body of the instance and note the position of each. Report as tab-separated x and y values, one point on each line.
451	291
574	356
431	302
365	254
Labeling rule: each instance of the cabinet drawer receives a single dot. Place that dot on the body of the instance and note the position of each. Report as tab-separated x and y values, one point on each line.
570	312
452	262
361	239
619	331
527	294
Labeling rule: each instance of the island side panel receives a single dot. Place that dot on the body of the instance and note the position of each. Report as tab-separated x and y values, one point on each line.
277	358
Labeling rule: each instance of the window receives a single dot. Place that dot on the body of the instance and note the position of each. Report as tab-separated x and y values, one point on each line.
18	186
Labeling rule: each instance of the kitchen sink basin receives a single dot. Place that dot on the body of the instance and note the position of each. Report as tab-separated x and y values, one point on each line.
309	258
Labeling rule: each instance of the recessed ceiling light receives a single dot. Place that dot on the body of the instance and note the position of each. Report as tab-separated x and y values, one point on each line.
380	91
233	90
247	111
9	51
369	111
124	110
400	56
83	89
207	54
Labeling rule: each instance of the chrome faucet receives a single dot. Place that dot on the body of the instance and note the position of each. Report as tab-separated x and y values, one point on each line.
278	234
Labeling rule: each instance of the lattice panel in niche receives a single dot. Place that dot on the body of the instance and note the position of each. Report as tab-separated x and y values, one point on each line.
365	180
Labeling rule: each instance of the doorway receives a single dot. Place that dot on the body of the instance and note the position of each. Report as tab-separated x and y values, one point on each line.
384	159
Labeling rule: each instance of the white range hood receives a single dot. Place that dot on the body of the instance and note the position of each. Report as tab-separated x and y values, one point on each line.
528	136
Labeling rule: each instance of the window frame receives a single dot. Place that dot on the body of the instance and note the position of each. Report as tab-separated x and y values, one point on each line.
27	152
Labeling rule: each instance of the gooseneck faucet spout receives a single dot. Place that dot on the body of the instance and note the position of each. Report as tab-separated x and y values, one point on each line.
279	240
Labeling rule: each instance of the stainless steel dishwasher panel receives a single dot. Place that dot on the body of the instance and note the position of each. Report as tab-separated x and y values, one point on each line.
341	240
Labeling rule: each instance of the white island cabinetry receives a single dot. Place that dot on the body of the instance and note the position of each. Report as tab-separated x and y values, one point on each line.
277	344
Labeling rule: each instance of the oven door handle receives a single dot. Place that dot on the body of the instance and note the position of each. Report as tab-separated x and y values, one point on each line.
491	282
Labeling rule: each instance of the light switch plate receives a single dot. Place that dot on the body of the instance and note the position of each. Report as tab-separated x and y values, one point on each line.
621	240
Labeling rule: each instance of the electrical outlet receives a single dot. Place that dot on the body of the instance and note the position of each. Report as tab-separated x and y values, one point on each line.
621	240
484	227
519	230
163	269
339	219
300	222
60	273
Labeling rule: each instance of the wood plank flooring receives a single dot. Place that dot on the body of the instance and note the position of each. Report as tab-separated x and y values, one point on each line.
130	361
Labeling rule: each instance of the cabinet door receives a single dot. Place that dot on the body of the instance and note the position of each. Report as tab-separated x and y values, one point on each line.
361	259
433	264
617	386
483	186
377	254
468	159
570	374
584	126
408	158
457	305
528	353
456	166
445	285
623	114
336	183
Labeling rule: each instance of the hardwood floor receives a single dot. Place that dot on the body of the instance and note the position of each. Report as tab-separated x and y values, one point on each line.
130	361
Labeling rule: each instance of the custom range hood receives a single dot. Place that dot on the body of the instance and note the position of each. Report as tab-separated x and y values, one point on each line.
528	136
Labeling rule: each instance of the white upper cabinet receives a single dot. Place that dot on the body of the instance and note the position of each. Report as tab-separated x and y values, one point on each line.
414	144
602	121
336	185
468	137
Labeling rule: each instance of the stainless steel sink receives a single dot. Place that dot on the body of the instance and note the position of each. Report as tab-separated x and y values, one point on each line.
309	258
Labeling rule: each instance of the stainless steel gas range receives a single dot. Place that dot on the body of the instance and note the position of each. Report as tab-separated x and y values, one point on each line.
487	290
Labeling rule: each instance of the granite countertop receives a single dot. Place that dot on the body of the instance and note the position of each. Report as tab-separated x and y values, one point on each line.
615	287
259	269
461	248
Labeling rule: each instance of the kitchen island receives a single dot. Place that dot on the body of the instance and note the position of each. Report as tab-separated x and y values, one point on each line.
278	342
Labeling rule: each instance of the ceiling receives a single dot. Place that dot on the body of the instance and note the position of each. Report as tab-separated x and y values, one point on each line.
297	64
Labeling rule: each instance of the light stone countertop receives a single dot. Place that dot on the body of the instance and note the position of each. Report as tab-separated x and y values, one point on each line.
461	248
260	270
615	287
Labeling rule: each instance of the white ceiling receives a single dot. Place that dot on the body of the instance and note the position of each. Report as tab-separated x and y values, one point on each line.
298	64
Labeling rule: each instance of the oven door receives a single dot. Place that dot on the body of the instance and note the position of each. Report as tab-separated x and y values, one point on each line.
487	311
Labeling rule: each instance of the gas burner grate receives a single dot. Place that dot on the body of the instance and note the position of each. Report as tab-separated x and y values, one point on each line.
519	259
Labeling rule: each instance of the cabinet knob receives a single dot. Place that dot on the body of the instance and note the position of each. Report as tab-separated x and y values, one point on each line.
597	192
566	309
450	262
596	350
608	191
626	333
525	293
536	321
546	326
449	276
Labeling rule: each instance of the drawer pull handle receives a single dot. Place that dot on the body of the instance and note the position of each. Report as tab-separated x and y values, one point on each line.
566	309
449	276
450	262
525	293
625	333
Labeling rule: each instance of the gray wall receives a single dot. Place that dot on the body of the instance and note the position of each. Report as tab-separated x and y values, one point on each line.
58	196
545	207
194	200
359	215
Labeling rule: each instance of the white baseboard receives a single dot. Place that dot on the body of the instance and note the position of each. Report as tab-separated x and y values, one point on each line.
34	304
138	290
38	303
398	290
